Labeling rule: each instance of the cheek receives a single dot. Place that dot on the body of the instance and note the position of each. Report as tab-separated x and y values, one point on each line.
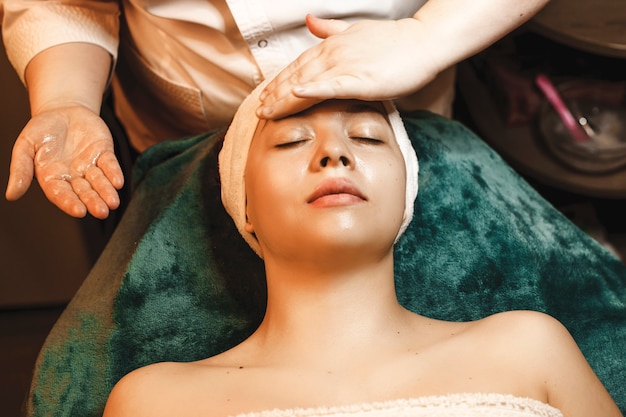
390	178
270	194
398	190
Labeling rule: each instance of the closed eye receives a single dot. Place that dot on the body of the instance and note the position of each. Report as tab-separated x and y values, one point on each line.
367	140
290	144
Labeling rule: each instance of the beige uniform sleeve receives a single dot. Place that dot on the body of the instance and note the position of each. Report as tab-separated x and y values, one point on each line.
29	27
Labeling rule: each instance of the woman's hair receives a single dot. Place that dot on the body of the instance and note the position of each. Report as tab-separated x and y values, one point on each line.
234	155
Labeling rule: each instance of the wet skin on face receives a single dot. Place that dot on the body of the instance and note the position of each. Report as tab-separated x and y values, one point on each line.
331	175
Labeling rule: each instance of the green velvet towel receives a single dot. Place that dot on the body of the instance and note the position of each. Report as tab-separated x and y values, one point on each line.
177	282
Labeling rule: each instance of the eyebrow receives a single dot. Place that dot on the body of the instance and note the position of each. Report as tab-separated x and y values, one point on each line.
354	107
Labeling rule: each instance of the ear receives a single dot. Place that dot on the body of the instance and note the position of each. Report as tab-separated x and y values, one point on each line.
248	226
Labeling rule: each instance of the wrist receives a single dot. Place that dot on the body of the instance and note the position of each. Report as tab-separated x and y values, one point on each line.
59	104
430	54
68	75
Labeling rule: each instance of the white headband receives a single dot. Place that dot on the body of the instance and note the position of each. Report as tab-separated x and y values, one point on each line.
234	156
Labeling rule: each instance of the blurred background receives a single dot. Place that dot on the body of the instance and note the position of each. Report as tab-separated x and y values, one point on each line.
42	256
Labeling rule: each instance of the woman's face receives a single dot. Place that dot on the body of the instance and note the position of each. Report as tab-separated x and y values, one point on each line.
328	178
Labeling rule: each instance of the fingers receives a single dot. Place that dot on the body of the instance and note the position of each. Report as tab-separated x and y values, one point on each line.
97	186
104	191
58	191
71	153
21	171
88	188
306	95
305	88
285	106
61	194
281	96
317	74
76	196
323	28
111	168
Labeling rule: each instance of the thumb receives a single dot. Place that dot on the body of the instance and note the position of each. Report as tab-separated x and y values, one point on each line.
323	28
18	182
21	170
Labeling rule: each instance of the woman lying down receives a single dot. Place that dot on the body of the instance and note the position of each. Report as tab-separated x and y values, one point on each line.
322	197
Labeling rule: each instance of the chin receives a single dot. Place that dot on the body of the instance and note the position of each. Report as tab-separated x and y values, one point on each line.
333	236
349	244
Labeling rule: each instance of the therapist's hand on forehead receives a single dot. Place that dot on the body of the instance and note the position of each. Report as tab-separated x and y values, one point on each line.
385	60
354	61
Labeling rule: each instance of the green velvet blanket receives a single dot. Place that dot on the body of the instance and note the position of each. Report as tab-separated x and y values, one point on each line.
177	282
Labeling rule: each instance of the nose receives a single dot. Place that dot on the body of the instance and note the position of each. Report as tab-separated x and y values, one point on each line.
333	151
343	160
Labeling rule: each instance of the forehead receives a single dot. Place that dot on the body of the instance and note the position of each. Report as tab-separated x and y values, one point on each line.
375	109
344	106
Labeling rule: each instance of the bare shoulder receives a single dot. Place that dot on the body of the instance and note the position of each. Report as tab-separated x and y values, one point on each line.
521	339
526	325
160	389
137	392
541	347
536	339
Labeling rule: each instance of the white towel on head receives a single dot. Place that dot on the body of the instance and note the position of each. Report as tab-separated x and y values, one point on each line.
410	163
234	156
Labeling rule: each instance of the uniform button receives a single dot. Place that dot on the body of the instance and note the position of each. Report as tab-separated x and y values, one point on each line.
262	43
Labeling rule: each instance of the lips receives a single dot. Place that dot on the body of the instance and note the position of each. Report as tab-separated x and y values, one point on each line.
335	192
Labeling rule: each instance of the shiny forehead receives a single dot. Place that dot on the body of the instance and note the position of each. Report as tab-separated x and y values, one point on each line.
344	105
350	106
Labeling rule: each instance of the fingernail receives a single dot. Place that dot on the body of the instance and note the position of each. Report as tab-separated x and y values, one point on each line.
301	91
263	94
267	111
264	112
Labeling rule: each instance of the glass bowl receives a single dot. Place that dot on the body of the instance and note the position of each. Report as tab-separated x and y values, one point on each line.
604	114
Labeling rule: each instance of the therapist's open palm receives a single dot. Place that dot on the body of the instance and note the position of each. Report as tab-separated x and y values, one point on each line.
367	60
70	152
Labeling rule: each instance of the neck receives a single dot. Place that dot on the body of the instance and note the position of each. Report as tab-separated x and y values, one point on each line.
320	307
